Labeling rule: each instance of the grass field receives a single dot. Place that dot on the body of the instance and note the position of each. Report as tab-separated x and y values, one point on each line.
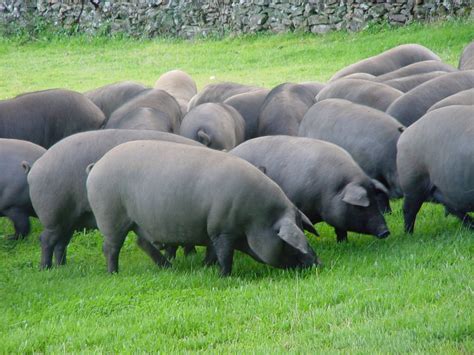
402	294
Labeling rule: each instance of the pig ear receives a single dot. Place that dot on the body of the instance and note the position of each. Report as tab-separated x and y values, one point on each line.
307	225
264	244
204	138
291	234
355	195
380	187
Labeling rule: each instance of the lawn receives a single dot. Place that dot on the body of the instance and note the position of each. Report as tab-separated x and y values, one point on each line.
402	294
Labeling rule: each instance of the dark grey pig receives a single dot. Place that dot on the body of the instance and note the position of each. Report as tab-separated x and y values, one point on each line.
388	61
424	67
369	135
412	105
175	194
321	179
157	105
219	92
45	117
15	201
466	62
407	83
465	97
58	185
436	162
217	126
359	91
110	97
283	109
249	104
180	85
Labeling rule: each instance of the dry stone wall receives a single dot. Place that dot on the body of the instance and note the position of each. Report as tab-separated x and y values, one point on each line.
190	18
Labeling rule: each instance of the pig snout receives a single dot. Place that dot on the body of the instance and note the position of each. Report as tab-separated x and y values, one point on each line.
384	234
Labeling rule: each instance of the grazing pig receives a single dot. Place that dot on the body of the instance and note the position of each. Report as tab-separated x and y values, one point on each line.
110	97
407	83
388	61
45	117
436	162
58	184
15	201
145	110
466	62
412	105
180	85
321	179
248	105
175	194
465	97
217	126
219	93
369	135
283	109
424	67
359	91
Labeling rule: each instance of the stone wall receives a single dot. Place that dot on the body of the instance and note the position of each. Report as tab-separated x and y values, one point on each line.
190	18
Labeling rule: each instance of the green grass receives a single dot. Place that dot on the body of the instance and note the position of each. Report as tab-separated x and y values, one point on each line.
402	294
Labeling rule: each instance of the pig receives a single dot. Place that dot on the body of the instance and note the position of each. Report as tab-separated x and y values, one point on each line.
45	117
409	107
180	85
110	97
423	67
150	109
248	105
359	91
436	162
219	92
407	83
466	62
15	202
283	109
57	183
465	97
177	194
321	179
215	125
369	135
389	60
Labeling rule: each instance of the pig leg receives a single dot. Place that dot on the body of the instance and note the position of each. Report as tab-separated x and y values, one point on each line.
111	248
466	220
341	235
60	249
170	252
49	238
211	257
21	223
411	207
150	250
189	249
224	249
